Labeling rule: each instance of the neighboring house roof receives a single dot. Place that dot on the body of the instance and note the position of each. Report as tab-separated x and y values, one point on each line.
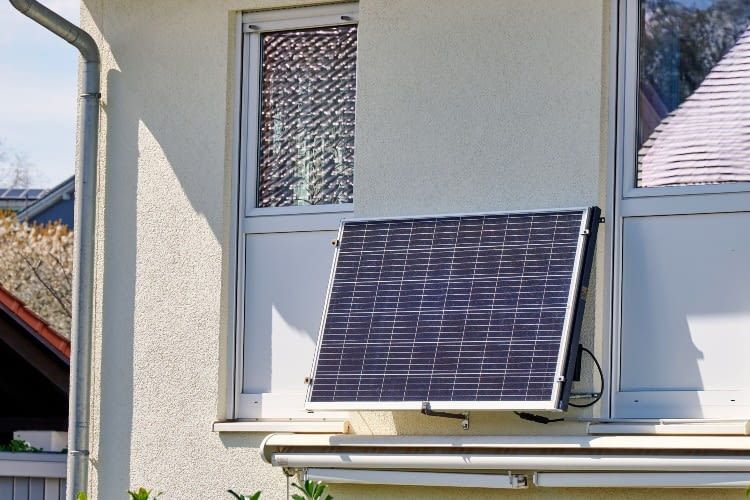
56	204
34	370
706	139
34	324
19	198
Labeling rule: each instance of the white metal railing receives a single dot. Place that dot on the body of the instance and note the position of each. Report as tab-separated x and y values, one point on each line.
32	476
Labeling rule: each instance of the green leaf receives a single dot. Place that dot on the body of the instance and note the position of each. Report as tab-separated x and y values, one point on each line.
318	489
81	495
295	485
312	490
143	494
238	496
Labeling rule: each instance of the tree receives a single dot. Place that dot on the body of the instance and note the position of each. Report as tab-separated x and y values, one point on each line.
16	170
680	43
36	265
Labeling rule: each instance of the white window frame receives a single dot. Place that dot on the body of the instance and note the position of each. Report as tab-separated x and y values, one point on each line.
626	200
628	59
250	219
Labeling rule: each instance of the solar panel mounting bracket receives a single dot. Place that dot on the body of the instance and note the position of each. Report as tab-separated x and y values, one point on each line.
464	417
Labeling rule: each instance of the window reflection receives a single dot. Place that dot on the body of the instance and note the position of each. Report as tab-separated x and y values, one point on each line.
694	92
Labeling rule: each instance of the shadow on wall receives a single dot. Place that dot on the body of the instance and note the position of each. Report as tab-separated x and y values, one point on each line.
164	198
116	417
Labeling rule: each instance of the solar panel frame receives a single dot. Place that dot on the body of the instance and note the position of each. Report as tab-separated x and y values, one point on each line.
570	331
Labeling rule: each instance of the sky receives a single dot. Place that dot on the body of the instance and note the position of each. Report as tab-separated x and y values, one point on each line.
38	74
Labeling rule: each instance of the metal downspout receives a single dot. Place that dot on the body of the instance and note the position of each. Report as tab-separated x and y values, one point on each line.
84	215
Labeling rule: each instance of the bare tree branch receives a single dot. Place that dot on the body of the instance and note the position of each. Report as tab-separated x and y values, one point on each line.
36	263
52	291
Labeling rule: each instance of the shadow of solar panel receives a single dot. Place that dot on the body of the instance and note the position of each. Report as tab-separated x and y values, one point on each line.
463	312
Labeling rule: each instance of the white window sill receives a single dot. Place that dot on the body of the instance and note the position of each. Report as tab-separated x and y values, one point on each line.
692	428
300	426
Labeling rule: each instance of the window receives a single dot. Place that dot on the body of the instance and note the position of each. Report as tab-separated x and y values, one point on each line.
297	172
682	288
308	87
692	82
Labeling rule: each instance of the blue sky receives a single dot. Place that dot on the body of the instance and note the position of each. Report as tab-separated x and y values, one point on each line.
38	73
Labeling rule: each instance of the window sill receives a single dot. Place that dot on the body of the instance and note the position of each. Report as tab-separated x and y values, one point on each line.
692	428
299	426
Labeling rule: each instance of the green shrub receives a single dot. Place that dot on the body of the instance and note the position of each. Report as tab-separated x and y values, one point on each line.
18	446
311	490
143	494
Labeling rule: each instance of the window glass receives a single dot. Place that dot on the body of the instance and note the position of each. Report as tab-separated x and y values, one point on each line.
694	92
306	128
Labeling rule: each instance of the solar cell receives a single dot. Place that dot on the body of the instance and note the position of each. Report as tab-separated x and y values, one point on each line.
463	312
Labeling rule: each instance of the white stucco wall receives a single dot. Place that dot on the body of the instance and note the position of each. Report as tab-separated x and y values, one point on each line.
462	106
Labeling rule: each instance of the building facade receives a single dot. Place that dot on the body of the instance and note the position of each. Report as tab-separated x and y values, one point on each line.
237	134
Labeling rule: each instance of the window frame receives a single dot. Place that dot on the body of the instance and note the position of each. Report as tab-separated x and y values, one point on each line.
247	218
629	52
253	25
625	200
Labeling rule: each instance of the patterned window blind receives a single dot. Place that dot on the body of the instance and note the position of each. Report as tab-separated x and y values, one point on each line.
308	93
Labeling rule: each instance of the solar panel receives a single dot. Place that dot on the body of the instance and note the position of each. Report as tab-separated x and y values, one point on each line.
34	193
462	312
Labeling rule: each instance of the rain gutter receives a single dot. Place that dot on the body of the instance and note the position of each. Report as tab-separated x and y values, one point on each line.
84	216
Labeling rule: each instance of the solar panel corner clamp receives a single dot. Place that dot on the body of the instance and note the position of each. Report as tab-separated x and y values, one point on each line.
468	312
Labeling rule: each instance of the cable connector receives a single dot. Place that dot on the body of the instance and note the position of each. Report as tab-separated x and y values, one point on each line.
539	419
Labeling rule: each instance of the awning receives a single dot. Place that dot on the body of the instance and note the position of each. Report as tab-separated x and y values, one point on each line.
506	455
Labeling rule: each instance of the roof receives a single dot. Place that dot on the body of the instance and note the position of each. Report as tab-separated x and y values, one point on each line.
54	195
34	370
705	140
33	324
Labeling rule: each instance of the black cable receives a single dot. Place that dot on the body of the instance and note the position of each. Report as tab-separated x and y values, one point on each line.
541	419
601	382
